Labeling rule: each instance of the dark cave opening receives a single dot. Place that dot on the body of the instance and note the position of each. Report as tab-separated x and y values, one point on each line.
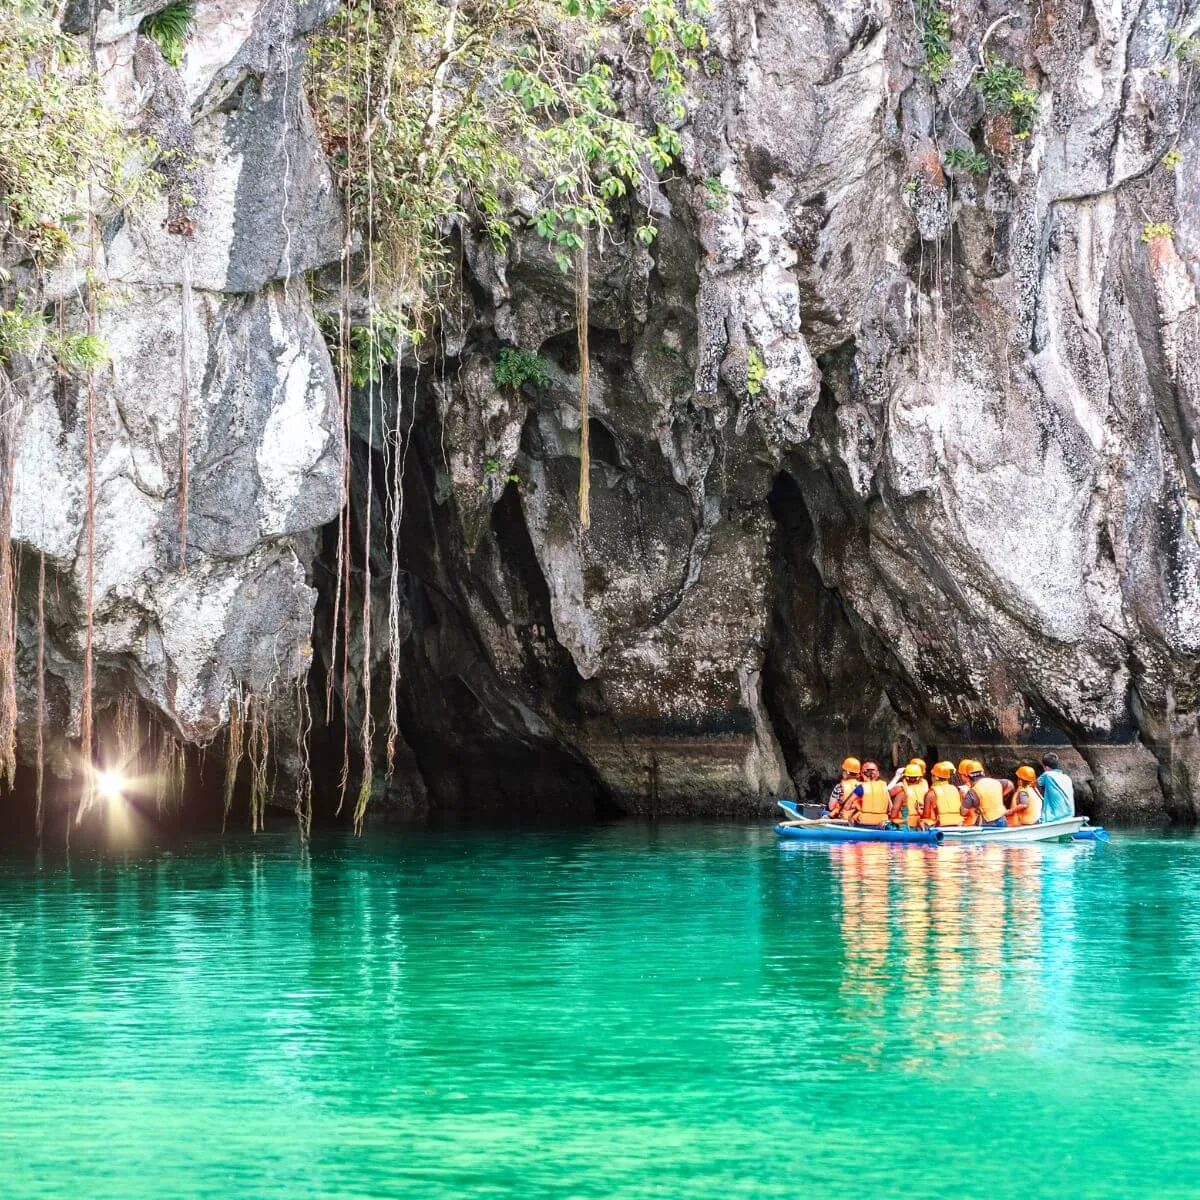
486	696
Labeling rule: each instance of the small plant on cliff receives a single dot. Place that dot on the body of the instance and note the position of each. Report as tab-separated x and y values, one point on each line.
933	24
1172	158
491	470
966	160
1004	91
1187	49
716	194
756	371
57	137
1152	230
516	367
168	30
22	331
25	331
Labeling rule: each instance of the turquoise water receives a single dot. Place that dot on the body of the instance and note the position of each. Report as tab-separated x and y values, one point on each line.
676	1011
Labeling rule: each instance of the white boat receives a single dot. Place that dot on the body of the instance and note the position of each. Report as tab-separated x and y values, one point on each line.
1012	835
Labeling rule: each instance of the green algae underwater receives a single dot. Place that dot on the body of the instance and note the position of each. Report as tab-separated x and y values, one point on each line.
628	1010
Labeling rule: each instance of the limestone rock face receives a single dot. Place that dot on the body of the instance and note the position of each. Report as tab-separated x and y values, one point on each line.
216	360
887	456
889	453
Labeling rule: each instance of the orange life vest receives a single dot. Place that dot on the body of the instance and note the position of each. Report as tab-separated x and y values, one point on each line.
914	796
991	799
875	802
949	804
1033	814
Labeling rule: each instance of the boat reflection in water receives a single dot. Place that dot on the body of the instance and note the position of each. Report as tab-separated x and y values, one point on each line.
949	943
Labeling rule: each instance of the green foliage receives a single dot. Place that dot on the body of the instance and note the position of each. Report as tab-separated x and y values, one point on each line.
1187	49
1157	229
491	470
422	138
168	29
516	367
81	352
966	160
56	136
997	83
933	23
374	344
1004	90
22	331
25	331
756	371
716	194
1172	158
371	346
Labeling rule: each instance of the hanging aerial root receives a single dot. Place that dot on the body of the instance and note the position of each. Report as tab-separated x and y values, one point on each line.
581	332
171	775
127	734
234	750
88	796
304	781
258	741
8	596
40	716
185	391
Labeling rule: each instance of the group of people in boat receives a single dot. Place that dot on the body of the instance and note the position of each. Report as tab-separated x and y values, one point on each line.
918	797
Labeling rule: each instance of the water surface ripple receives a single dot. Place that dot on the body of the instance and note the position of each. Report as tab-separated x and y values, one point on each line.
675	1011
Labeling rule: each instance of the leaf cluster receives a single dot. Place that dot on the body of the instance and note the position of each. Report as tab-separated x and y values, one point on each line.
483	115
716	194
168	29
57	137
966	160
25	331
1186	49
1157	229
756	371
516	367
1004	91
933	23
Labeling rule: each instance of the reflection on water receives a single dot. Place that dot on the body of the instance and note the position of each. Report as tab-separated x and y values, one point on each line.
952	939
636	1010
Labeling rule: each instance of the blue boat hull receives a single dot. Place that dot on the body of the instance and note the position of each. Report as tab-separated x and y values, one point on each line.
859	833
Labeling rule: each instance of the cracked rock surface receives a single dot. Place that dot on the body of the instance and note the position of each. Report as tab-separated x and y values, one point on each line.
887	456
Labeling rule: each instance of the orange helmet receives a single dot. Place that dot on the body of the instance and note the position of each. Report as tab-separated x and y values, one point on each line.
917	762
913	771
964	766
943	770
1026	774
851	766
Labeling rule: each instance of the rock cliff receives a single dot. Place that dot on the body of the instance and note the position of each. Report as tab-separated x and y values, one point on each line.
893	427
